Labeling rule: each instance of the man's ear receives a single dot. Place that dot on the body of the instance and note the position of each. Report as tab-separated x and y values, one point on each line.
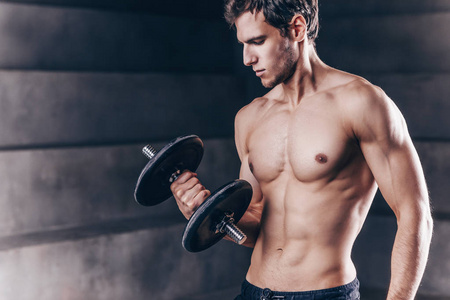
298	28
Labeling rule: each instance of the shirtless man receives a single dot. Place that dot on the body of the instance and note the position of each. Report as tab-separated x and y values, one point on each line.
315	148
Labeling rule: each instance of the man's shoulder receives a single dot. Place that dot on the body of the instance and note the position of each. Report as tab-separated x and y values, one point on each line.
253	109
361	104
248	115
356	93
245	119
341	82
366	107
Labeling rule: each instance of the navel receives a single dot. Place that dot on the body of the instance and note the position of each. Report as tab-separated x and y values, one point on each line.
321	158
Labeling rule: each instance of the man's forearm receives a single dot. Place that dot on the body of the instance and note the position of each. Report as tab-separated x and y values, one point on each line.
409	257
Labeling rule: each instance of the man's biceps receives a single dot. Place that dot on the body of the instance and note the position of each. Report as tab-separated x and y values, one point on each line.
374	153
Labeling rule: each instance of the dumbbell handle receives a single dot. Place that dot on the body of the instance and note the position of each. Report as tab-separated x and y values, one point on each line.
235	233
149	151
227	226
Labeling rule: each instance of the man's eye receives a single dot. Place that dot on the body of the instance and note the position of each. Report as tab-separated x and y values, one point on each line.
258	42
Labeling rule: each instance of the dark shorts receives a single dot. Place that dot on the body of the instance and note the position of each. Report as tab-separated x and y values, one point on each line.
348	291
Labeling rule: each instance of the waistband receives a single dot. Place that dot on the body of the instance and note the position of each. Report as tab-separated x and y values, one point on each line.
254	292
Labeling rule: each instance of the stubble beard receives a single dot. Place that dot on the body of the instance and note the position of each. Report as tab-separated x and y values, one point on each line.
287	69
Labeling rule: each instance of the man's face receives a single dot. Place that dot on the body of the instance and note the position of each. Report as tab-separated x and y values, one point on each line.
271	56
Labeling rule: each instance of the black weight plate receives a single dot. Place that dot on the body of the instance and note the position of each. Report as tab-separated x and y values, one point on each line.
182	153
199	233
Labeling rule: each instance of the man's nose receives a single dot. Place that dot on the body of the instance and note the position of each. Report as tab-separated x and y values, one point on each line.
249	57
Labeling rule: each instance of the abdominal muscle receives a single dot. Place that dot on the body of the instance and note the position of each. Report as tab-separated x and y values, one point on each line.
306	236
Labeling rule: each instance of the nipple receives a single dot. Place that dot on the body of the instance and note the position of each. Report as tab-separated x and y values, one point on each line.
321	158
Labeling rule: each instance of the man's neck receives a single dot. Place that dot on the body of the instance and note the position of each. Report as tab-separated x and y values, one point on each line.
307	78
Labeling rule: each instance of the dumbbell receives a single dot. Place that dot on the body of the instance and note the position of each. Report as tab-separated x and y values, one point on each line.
216	216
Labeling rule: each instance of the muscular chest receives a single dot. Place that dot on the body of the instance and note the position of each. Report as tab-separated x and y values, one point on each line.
307	143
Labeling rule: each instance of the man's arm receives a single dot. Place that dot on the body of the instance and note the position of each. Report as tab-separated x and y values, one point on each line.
189	192
250	221
393	160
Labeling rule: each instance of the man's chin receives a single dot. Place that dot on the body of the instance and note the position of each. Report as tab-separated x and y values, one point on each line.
267	83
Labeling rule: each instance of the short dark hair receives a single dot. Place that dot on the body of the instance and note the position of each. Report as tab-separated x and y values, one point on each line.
278	13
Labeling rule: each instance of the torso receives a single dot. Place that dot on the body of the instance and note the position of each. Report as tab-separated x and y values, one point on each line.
316	186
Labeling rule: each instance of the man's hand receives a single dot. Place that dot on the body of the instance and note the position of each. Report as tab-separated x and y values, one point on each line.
189	193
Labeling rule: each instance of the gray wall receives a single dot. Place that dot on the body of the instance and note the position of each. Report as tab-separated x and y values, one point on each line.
83	86
82	89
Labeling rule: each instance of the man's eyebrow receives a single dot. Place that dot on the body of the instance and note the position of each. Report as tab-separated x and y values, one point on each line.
253	39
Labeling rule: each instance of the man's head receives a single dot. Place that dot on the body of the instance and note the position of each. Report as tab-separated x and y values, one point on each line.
274	34
278	13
